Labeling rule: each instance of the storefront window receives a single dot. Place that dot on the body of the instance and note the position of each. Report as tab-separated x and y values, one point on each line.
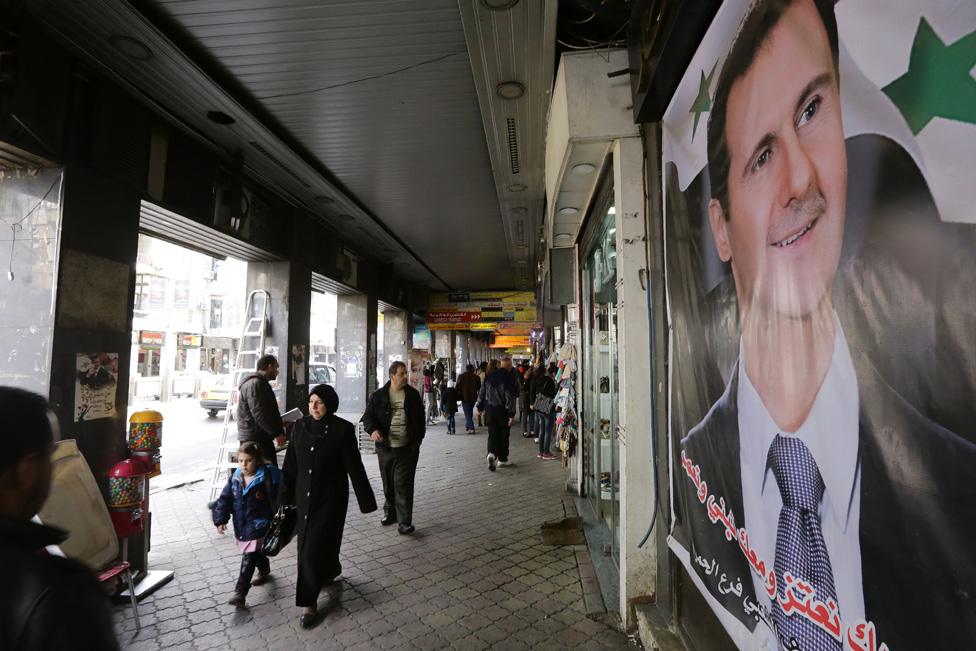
601	451
30	228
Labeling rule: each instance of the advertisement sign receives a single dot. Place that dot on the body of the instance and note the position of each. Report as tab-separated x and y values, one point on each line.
483	311
502	341
459	316
96	379
151	339
820	229
421	337
189	341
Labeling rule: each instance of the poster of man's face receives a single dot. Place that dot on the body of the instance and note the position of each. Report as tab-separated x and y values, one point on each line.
822	422
96	378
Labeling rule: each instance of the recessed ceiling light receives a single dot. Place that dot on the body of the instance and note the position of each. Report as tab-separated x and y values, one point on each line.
220	118
510	90
583	168
562	237
130	47
568	210
519	210
346	217
499	5
517	187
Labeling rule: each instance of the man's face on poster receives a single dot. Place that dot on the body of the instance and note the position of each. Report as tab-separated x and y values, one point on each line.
787	180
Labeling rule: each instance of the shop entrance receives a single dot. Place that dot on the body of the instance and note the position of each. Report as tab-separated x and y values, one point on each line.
601	455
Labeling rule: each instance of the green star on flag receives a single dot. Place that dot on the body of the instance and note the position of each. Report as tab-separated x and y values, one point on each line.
938	82
702	103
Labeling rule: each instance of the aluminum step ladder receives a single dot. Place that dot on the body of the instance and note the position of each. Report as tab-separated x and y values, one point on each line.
249	350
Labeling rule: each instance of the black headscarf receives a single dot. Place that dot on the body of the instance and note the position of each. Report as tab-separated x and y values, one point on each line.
329	396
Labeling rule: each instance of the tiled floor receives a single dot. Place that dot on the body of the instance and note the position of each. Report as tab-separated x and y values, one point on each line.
475	575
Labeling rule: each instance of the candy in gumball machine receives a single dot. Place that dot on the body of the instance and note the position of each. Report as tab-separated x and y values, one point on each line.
145	442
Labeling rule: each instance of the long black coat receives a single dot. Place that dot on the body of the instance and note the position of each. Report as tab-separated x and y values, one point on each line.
317	471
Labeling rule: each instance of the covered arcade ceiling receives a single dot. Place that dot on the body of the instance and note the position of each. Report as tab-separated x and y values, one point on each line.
416	127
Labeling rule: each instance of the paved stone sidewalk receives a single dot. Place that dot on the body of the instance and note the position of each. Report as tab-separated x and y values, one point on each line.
475	575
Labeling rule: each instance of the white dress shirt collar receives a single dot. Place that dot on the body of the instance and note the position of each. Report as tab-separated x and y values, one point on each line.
830	431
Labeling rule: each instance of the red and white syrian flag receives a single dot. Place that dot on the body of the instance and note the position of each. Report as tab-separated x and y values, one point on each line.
907	72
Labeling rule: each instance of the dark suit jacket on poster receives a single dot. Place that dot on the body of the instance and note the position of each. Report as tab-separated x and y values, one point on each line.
918	517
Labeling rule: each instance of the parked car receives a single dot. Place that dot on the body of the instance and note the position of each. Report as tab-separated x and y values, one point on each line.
214	397
321	374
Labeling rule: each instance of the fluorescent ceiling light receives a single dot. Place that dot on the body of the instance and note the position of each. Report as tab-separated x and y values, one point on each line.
568	210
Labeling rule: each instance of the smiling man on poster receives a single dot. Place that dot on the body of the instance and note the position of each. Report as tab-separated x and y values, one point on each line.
815	485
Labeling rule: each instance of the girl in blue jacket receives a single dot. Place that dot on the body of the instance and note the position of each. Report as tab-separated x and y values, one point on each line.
250	496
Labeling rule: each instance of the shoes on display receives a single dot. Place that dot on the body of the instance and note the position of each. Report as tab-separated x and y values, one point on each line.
492	459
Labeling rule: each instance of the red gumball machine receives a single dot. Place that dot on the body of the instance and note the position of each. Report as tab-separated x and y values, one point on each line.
126	498
131	481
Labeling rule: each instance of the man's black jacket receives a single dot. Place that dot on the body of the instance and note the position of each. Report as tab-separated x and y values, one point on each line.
257	410
48	602
378	414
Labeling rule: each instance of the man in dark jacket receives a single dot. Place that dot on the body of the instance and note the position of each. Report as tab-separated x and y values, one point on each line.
47	602
258	418
468	385
497	399
394	418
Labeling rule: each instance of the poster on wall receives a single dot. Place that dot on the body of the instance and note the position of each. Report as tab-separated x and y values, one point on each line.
820	229
298	364
96	380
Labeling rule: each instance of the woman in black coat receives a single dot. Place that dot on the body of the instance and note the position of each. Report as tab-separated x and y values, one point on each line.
322	457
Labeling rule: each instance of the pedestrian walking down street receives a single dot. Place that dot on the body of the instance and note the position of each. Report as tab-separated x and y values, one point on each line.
538	376
258	418
47	601
323	456
545	423
250	496
394	418
468	385
430	396
497	401
528	418
482	374
449	400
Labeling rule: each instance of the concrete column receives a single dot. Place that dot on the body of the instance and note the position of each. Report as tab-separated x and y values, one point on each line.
372	325
396	340
299	322
463	352
351	354
275	278
99	245
638	567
